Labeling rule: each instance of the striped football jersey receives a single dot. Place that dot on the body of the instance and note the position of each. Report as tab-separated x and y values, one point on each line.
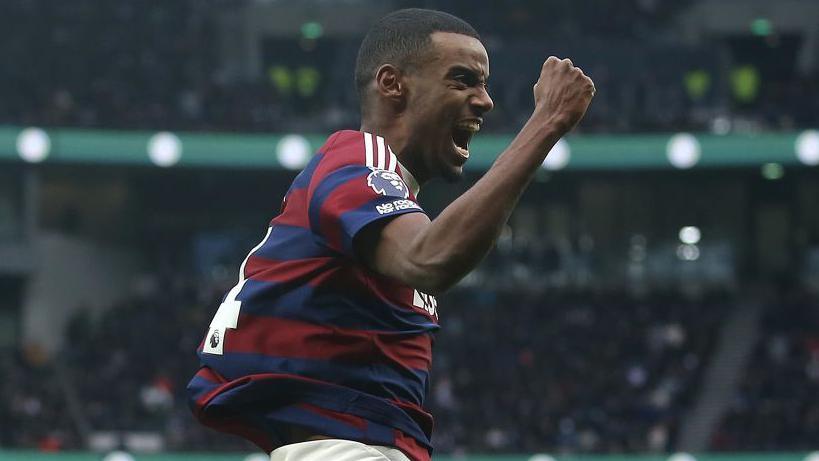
309	337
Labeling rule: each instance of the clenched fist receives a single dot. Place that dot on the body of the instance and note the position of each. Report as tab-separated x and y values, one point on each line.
562	94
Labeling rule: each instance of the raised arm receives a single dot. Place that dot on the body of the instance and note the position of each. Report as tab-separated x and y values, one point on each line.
432	256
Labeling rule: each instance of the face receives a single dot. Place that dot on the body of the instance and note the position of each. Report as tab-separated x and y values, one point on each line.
446	98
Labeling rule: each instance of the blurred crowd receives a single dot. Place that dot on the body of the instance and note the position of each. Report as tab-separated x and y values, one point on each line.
119	372
776	403
33	407
569	372
157	65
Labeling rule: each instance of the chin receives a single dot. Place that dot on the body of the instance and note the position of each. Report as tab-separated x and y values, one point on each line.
452	174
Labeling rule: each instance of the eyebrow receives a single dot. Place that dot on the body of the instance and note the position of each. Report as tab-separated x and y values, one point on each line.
468	70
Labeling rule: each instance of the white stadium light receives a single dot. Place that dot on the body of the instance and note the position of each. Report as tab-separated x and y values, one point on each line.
812	456
33	145
690	235
681	457
688	252
118	456
807	147
558	157
541	457
164	149
293	152
257	457
721	125
683	150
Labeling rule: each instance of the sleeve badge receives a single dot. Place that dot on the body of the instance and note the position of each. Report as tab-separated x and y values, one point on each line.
387	183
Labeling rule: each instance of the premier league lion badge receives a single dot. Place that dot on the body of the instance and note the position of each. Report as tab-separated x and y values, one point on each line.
387	183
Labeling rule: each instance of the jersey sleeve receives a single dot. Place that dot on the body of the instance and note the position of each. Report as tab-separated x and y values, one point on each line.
356	183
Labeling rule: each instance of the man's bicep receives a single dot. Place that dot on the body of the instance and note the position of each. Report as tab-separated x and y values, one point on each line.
386	246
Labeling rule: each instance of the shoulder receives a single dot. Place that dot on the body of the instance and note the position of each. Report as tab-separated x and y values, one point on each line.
356	148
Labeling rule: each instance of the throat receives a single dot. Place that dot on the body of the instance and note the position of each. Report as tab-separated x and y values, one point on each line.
409	178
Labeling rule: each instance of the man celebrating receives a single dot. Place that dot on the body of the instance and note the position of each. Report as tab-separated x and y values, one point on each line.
322	349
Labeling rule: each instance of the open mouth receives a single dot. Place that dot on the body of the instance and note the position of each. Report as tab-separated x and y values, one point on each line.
462	134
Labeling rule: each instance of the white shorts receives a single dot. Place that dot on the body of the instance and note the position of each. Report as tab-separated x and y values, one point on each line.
336	450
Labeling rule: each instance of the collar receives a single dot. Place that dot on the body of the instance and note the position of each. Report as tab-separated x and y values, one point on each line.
409	179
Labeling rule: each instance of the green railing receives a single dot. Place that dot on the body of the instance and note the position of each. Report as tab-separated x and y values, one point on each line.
37	456
232	150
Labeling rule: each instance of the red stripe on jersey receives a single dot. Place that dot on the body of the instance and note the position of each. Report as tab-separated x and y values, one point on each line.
293	213
411	447
295	339
413	351
421	416
209	375
344	278
347	279
355	421
345	148
268	270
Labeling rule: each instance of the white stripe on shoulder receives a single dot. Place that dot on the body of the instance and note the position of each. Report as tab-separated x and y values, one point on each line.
368	149
393	160
382	163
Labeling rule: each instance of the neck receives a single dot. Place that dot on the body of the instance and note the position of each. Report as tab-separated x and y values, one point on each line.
391	128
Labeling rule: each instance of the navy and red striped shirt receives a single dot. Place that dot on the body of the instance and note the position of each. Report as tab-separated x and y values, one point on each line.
310	337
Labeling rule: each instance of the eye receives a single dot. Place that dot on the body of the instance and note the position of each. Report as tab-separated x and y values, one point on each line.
466	79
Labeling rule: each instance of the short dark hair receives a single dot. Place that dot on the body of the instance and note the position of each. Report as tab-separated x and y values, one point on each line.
400	37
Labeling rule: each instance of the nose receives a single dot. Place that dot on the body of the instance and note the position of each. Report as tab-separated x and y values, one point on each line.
482	101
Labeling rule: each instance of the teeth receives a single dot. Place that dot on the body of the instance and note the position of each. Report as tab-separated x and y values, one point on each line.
469	126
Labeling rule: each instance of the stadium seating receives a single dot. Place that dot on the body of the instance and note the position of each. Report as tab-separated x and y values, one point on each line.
775	407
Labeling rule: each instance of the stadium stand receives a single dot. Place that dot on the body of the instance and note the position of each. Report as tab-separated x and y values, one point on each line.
775	405
167	76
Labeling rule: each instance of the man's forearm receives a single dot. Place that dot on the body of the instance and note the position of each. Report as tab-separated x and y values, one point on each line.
459	238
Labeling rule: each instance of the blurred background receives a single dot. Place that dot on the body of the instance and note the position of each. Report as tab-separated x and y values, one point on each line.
654	294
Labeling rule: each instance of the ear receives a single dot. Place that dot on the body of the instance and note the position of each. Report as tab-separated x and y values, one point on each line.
389	82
